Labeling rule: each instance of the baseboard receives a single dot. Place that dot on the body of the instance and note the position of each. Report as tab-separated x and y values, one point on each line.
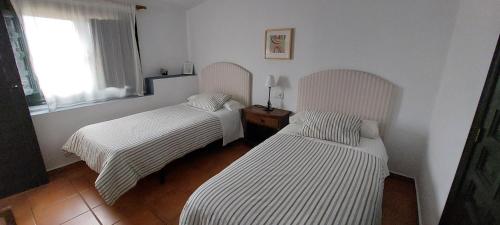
404	176
63	165
401	177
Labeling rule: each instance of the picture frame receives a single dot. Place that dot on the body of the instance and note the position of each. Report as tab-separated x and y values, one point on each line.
279	43
188	68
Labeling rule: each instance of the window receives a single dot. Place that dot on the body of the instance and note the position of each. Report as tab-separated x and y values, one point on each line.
68	75
75	52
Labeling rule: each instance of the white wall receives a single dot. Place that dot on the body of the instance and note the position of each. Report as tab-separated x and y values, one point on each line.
162	37
471	50
404	41
53	129
163	43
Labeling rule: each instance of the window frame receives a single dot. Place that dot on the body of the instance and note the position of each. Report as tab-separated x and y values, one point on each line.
36	98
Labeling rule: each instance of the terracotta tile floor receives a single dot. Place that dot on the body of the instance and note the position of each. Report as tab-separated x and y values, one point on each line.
71	199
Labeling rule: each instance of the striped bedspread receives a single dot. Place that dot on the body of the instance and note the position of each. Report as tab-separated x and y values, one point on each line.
127	149
289	179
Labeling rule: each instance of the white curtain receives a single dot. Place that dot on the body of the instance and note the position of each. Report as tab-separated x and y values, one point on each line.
82	50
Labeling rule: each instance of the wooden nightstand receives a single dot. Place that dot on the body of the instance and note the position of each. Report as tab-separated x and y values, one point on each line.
259	124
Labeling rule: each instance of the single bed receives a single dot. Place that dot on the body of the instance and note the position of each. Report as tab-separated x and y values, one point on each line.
127	149
292	179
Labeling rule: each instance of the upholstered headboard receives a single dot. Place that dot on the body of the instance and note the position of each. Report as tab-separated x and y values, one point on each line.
227	78
347	91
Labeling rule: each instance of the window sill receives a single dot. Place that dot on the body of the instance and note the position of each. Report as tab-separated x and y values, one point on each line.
149	91
44	109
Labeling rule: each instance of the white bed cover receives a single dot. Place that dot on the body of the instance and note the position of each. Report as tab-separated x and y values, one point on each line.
232	129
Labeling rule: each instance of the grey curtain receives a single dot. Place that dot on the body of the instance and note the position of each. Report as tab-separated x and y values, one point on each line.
114	69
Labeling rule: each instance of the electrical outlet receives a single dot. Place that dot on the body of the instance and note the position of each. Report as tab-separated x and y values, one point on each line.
277	94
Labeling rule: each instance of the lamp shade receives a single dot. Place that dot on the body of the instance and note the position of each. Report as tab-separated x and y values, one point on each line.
270	81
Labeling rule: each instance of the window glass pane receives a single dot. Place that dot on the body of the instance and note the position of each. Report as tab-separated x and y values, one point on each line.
60	60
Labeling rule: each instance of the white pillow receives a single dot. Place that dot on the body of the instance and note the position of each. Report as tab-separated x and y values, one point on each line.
192	97
233	105
332	126
208	101
297	118
369	129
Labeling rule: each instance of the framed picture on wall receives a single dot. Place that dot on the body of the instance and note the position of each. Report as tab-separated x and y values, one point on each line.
279	43
188	68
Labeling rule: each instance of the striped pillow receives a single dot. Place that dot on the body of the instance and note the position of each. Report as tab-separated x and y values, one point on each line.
209	101
332	126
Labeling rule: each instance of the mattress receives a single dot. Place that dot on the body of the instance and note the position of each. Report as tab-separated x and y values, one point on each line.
291	179
127	149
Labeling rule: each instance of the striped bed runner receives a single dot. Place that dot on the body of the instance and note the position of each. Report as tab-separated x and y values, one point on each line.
127	149
289	179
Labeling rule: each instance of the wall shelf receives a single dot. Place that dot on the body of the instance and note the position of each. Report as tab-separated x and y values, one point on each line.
149	81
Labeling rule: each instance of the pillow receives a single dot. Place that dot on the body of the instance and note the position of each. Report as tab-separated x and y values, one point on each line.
233	105
332	126
192	97
208	101
369	129
297	118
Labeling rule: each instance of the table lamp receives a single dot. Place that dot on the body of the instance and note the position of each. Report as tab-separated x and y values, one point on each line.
269	83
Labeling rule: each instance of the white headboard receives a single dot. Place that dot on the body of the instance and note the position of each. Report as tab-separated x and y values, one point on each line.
347	91
227	78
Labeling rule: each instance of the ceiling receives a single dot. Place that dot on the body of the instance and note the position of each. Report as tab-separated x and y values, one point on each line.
184	3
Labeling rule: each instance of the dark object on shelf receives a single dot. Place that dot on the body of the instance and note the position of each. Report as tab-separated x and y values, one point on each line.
163	72
140	7
259	124
149	82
